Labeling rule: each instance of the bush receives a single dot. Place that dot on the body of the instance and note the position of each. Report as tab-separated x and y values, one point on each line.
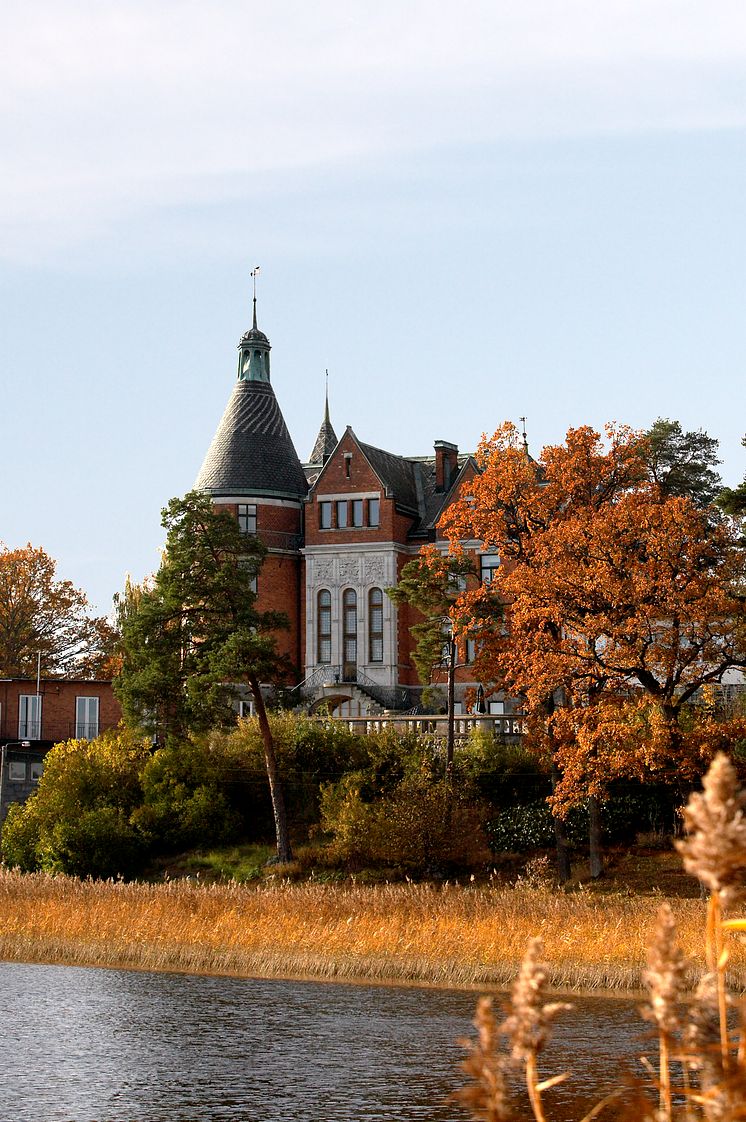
78	820
419	827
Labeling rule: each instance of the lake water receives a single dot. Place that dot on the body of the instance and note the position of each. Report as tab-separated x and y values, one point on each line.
113	1046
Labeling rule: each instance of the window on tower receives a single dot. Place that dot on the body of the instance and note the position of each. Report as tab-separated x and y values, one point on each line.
247	518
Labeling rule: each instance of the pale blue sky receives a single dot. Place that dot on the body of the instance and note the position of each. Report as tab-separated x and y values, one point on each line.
466	212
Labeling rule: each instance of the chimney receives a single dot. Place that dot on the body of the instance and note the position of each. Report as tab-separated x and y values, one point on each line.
446	464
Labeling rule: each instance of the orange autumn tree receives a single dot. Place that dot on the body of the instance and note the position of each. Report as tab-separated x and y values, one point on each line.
45	622
621	603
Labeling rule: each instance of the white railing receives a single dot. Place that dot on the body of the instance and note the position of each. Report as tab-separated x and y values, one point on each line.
500	725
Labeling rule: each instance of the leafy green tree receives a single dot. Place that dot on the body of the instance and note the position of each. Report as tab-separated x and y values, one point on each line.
195	631
733	499
682	463
430	583
45	622
79	820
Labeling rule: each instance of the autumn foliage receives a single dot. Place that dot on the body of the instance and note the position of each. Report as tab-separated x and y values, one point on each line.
42	616
615	603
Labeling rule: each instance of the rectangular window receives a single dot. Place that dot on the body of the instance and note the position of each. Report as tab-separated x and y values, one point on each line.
497	708
247	518
375	625
325	516
471	650
246	709
16	771
341	515
29	717
357	512
324	626
86	718
36	771
489	562
374	512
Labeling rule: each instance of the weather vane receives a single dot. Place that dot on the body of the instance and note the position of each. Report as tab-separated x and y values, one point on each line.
254	275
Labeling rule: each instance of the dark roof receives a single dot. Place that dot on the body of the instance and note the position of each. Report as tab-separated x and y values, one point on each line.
411	482
251	452
325	444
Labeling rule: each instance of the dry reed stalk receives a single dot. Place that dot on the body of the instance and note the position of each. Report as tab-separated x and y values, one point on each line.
449	935
665	978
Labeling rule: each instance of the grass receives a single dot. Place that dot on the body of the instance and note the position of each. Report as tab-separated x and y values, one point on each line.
414	933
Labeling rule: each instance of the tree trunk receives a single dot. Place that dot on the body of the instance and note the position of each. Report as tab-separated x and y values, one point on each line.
284	851
564	871
451	715
594	837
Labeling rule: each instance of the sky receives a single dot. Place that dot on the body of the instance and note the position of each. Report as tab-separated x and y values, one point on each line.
466	213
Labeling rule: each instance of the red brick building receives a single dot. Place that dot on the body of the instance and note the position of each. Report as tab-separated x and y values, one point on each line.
339	530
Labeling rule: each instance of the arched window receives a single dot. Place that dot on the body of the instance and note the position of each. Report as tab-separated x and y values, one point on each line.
375	625
349	635
324	626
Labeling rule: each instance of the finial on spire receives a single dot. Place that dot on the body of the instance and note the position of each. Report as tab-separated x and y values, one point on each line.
254	275
326	409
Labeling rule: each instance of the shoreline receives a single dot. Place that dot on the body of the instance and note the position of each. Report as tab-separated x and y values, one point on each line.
492	979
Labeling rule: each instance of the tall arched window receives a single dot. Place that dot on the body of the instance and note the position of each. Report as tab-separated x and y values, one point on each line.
324	626
349	635
375	625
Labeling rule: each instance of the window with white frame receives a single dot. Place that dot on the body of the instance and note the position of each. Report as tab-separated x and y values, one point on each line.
246	709
324	626
496	708
29	716
37	768
375	625
86	718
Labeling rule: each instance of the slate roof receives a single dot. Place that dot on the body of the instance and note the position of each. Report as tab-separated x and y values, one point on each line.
326	442
251	452
411	482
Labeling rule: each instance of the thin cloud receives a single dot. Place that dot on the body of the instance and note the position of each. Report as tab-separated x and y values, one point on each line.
110	110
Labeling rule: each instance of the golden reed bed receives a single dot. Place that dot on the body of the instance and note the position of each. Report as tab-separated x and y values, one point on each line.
420	934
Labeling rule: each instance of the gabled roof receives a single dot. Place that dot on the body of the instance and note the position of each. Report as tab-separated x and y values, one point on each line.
251	452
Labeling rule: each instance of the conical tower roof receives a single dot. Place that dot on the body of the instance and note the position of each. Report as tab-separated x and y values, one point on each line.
251	452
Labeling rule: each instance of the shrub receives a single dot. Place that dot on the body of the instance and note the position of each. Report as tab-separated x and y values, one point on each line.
78	820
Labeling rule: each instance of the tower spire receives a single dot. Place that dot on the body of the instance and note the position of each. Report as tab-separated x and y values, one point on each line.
326	441
525	438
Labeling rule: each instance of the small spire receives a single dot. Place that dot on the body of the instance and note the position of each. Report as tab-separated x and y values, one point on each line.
326	441
525	438
255	273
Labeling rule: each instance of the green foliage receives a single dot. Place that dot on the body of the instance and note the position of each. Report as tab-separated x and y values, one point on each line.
429	583
418	827
733	499
186	797
78	821
683	463
530	826
195	627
